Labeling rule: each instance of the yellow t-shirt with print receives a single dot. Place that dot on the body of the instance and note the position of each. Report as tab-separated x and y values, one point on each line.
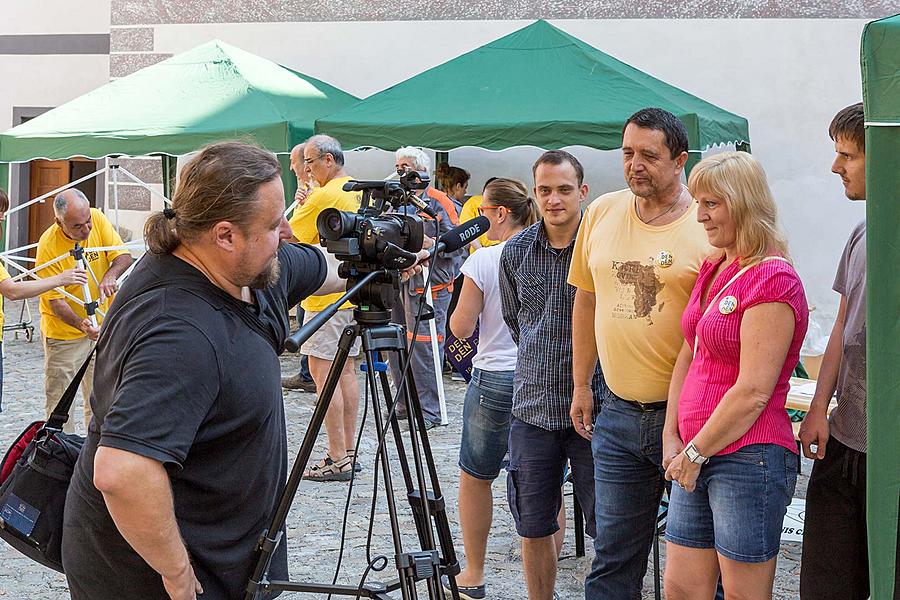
53	243
303	224
470	211
642	277
4	275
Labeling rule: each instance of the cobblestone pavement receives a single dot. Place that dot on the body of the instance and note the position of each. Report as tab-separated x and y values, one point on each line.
314	524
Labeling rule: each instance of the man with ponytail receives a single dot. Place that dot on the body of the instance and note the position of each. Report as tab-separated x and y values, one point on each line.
187	449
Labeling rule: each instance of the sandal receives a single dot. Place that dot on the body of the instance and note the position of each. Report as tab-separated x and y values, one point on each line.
351	454
329	470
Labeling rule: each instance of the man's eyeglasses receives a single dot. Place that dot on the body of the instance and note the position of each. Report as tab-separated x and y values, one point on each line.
309	161
485	207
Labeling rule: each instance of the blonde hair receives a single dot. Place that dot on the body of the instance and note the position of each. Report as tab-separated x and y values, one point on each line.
512	195
739	180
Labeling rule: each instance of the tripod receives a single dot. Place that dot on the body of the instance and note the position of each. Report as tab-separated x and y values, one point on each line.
428	506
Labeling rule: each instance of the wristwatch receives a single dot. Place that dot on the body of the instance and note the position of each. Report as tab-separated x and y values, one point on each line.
694	455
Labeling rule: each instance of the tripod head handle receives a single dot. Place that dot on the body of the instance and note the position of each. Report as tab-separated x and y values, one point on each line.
296	339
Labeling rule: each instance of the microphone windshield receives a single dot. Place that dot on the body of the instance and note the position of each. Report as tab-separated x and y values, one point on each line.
464	233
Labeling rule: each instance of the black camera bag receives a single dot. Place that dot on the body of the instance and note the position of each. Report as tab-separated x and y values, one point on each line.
34	478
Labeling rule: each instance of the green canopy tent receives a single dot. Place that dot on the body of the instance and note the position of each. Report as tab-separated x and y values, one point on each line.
537	86
880	58
209	93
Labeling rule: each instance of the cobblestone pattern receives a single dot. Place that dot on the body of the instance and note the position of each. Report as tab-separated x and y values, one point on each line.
314	523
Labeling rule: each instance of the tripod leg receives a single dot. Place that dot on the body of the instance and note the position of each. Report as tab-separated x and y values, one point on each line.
407	583
271	537
431	509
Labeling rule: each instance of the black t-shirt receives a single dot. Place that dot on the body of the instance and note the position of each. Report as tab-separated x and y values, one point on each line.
181	378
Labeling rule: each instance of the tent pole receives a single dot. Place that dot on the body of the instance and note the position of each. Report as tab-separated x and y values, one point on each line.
168	167
6	178
115	178
440	157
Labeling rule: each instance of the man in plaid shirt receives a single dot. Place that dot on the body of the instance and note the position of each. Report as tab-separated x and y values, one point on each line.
537	308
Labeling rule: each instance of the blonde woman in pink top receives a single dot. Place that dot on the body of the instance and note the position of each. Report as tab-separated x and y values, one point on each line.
728	445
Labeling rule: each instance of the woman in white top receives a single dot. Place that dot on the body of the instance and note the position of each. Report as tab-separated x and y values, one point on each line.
488	401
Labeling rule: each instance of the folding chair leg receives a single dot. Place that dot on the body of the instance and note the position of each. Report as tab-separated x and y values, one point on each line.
657	576
579	527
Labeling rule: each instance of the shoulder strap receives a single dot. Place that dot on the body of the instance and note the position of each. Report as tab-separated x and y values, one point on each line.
60	413
724	287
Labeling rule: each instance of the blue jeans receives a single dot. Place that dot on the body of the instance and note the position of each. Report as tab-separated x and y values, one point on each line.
485	431
629	482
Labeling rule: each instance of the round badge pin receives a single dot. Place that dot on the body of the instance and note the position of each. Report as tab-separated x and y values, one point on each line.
665	259
727	305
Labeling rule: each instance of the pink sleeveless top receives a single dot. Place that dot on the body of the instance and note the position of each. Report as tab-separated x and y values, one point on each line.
714	369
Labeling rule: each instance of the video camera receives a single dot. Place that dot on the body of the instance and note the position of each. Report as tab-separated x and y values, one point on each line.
369	239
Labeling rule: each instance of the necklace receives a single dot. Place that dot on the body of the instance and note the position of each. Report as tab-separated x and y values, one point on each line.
637	209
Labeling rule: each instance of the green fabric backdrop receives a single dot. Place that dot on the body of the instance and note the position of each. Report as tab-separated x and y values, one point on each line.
210	93
880	58
537	86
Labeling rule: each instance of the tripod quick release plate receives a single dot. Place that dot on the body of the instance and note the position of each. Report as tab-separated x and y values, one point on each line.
423	564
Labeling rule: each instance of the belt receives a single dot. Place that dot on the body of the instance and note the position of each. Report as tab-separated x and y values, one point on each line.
646	406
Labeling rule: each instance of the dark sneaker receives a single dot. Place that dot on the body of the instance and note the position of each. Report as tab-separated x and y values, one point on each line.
471	592
429	425
297	382
357	467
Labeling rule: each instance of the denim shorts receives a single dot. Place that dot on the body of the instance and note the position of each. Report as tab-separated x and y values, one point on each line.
485	430
738	505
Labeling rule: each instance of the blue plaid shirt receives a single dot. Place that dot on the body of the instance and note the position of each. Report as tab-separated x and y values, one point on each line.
537	307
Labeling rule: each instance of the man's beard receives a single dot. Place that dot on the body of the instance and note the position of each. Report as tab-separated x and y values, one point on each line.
269	276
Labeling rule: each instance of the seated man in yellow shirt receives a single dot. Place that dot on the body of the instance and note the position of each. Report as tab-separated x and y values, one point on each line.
67	331
19	290
324	162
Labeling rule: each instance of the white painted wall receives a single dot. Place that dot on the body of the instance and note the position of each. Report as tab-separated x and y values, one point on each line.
788	77
50	80
47	81
55	16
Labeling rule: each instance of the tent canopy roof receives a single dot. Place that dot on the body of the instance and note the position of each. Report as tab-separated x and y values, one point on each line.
212	92
537	86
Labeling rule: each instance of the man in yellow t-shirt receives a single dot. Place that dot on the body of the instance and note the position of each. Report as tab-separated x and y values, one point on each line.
19	290
324	162
67	332
636	258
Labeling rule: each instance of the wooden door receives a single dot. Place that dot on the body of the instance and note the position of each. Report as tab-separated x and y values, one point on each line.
46	176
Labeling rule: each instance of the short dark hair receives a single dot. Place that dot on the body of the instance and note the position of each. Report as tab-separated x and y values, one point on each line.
850	124
662	120
558	157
